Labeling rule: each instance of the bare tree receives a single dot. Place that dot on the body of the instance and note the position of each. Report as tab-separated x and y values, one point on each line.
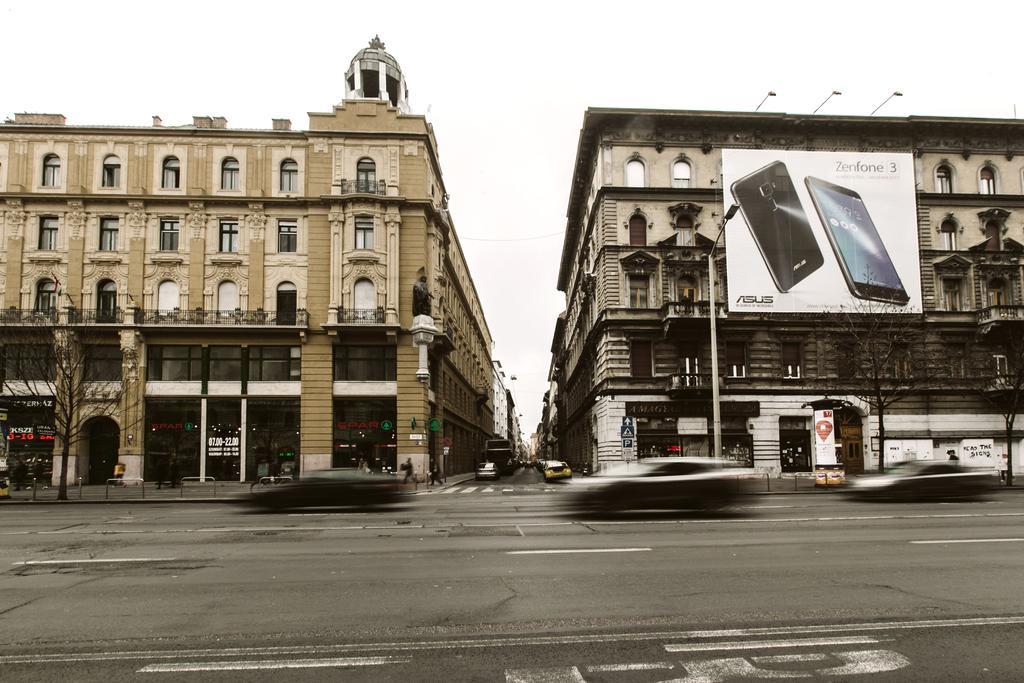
1000	380
882	354
65	357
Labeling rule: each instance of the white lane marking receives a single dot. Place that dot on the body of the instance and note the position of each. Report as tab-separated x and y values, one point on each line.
562	674
95	561
786	659
641	666
765	507
507	490
469	489
969	540
866	662
450	489
489	489
271	664
767	644
569	551
504	642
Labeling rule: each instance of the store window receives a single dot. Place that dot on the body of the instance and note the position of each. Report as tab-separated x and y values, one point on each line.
172	439
174	364
272	439
364	434
225	363
31	435
364	363
274	363
223	439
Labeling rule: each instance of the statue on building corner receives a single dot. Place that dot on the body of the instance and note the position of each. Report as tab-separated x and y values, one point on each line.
421	297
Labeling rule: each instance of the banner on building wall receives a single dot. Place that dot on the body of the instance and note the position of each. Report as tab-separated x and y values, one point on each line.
824	438
978	453
821	231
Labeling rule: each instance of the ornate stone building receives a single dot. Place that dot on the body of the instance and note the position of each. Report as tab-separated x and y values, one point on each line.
264	280
645	209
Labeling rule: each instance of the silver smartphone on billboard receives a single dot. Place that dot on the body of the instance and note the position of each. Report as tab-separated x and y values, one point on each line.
869	271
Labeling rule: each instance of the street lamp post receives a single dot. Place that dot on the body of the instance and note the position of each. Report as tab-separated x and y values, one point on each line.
716	408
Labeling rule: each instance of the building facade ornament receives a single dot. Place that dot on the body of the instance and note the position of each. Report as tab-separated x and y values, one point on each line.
75	218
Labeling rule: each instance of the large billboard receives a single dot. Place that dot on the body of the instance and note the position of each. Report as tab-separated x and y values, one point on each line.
821	231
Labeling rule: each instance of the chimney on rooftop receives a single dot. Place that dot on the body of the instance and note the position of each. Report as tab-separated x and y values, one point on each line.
157	122
219	122
202	122
40	119
282	124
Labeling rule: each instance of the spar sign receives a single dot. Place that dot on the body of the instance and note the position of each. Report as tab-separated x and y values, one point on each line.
824	438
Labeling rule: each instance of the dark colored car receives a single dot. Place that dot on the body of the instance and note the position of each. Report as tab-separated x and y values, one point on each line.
670	485
921	479
342	487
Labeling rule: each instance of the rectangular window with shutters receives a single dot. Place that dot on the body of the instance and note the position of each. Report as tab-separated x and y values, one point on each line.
641	359
364	232
169	231
287	237
736	359
639	287
791	368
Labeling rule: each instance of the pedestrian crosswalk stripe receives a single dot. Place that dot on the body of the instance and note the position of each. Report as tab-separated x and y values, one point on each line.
488	490
451	490
469	489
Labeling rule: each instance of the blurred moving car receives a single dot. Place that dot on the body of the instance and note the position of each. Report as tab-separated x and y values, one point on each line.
487	470
340	487
673	485
921	479
556	469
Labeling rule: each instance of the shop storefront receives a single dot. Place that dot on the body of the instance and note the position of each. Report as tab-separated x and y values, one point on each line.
173	439
364	432
30	438
795	444
684	429
272	438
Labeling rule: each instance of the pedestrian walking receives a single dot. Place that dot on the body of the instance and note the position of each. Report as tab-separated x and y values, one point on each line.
20	473
407	468
435	474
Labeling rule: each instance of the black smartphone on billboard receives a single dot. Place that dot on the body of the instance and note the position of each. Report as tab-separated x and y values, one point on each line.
866	265
778	224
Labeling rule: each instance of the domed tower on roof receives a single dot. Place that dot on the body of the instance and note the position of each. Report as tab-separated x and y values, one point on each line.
374	74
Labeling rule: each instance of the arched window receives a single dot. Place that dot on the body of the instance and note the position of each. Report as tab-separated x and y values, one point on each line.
993	239
684	231
638	231
287	302
229	174
998	294
987	180
167	296
106	301
944	179
364	295
686	289
111	171
51	170
681	174
171	177
227	296
366	175
635	176
46	296
289	176
948	231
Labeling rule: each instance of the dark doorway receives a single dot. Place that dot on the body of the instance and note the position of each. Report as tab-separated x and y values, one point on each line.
286	303
103	445
852	436
795	450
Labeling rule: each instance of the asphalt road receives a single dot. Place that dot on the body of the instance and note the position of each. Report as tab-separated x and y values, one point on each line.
497	582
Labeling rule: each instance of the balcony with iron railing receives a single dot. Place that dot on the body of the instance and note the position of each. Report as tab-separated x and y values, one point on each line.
239	318
361	316
61	316
362	186
687	384
684	315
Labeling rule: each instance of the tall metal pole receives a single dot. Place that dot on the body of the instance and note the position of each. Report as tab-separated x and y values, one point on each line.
716	409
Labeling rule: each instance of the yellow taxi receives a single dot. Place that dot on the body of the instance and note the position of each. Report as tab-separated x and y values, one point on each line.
556	469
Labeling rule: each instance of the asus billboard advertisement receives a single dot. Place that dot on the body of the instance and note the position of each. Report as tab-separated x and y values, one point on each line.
821	231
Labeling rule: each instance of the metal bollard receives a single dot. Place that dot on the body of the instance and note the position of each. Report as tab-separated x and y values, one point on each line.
33	488
79	488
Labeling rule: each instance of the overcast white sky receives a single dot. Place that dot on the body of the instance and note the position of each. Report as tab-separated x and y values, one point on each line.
505	87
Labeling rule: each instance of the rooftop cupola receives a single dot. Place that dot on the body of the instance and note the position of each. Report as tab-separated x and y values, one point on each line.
375	75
